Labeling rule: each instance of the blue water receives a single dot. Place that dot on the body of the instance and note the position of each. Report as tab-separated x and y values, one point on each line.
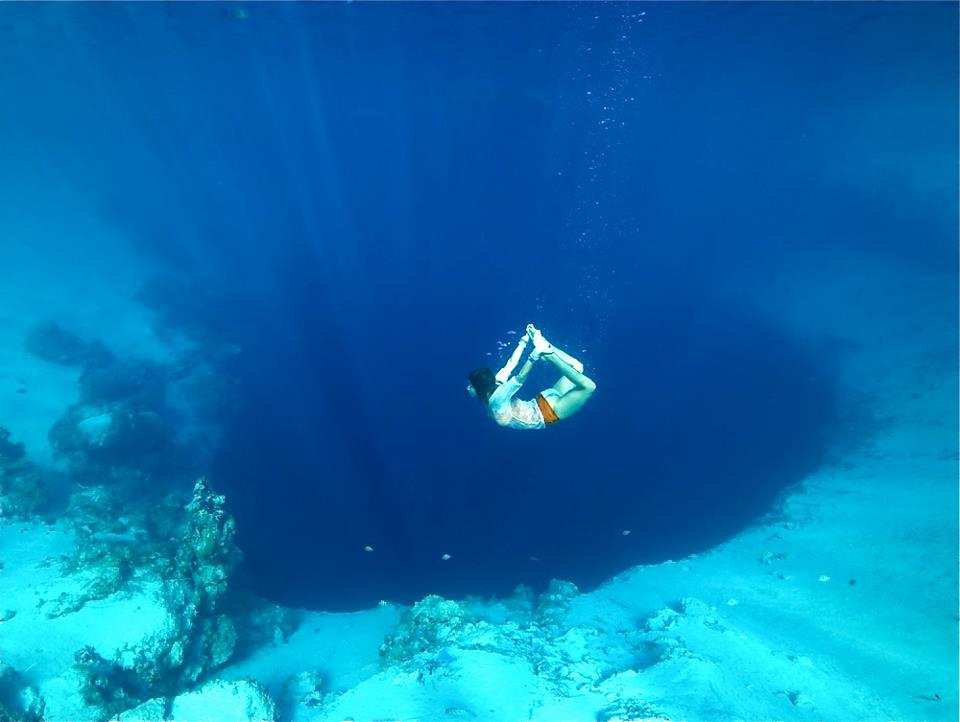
364	199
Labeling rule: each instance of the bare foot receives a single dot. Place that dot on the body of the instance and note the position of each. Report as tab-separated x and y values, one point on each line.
540	344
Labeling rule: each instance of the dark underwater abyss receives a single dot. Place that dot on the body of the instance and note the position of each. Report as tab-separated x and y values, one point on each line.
364	199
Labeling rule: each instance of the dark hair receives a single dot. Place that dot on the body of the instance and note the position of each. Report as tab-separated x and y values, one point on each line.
483	382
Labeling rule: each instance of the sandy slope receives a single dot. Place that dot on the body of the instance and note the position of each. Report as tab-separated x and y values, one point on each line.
842	607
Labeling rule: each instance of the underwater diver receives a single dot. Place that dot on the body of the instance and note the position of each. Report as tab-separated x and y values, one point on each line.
561	401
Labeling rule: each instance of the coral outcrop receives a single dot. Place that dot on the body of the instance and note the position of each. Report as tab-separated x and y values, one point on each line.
116	441
558	668
191	569
435	632
304	690
22	493
19	700
136	419
50	342
427	627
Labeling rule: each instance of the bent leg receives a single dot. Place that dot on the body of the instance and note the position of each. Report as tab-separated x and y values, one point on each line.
565	385
581	387
567	358
571	402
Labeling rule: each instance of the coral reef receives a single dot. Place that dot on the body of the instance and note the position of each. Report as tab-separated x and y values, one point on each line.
136	381
200	638
180	306
432	636
18	699
208	551
631	709
102	683
304	690
22	493
115	441
50	342
429	625
553	604
260	623
200	383
191	567
96	574
136	419
558	663
139	420
114	545
113	548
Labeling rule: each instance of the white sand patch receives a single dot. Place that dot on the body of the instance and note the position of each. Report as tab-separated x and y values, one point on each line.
220	701
343	648
479	685
43	648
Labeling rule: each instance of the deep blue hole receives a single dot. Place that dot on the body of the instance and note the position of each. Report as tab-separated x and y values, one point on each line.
697	425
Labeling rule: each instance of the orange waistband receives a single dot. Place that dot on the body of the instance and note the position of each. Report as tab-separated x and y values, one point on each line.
549	415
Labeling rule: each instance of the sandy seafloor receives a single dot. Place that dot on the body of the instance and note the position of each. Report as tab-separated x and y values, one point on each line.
841	604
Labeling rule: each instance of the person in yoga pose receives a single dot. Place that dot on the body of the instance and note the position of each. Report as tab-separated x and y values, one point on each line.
496	391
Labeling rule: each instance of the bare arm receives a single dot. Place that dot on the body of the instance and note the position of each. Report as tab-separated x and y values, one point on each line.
525	371
500	399
504	373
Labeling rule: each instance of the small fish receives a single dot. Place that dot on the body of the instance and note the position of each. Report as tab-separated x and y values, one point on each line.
368	548
446	557
21	391
511	333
